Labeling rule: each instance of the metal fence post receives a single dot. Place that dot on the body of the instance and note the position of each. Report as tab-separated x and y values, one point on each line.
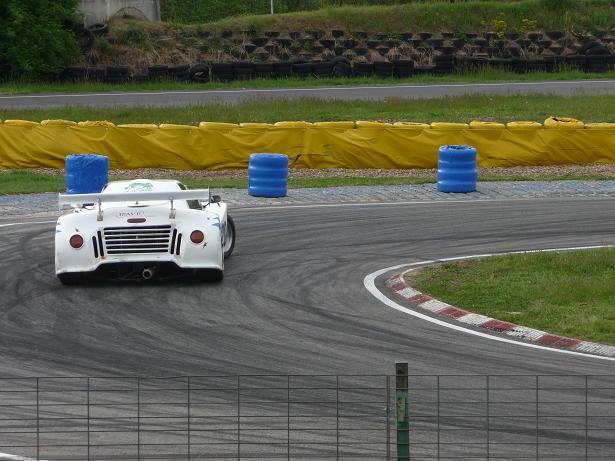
337	417
38	422
438	415
88	413
401	407
238	417
288	417
388	420
537	411
138	418
189	441
488	421
586	422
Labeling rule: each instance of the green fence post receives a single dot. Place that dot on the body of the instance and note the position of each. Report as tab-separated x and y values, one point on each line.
401	411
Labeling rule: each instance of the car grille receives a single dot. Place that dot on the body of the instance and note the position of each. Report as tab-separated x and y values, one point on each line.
137	240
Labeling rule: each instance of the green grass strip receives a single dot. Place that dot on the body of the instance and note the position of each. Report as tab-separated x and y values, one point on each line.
458	17
448	109
569	293
23	182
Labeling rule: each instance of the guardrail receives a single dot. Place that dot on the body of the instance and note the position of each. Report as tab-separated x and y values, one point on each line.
316	417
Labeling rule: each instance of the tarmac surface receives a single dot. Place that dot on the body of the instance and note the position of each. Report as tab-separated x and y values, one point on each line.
293	302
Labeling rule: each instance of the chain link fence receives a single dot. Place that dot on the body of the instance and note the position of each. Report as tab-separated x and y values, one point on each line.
311	417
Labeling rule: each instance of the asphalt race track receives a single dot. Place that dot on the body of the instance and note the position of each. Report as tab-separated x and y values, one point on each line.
292	301
374	92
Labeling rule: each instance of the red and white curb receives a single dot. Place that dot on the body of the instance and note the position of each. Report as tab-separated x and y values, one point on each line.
397	284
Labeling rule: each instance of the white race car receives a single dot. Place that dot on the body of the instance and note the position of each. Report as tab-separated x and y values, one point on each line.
142	229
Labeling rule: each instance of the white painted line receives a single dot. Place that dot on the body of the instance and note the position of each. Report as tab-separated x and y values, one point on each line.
370	284
316	88
7	456
26	223
251	208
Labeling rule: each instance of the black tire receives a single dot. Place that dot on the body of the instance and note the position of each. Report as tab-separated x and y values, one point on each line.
588	46
71	278
340	59
598	50
302	70
342	70
199	73
99	29
230	225
158	71
363	69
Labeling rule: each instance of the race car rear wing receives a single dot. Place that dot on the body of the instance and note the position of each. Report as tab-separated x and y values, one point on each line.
136	197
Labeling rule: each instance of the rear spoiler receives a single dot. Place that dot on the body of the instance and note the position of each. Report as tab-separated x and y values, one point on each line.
81	199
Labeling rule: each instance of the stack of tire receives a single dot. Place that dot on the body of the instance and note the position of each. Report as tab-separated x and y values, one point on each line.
597	57
322	69
403	68
576	61
264	70
243	70
554	63
519	65
158	72
223	71
445	64
302	69
282	69
96	74
75	73
383	69
117	74
536	65
363	69
341	67
179	72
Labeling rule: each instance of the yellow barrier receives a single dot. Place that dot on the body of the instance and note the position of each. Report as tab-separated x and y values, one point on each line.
361	144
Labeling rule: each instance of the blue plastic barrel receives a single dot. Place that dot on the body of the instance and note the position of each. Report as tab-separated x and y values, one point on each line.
268	175
86	173
457	169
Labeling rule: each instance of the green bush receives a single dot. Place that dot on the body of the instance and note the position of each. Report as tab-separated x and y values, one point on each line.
34	42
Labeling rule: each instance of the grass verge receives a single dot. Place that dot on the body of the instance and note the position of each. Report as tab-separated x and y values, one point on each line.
26	182
570	293
479	76
474	15
453	109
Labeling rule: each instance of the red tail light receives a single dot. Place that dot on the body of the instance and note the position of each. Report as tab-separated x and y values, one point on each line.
197	236
76	241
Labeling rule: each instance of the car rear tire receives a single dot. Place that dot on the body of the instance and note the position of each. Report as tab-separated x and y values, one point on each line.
229	240
71	278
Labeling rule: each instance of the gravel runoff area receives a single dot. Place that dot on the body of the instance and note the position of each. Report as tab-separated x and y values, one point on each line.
33	205
594	169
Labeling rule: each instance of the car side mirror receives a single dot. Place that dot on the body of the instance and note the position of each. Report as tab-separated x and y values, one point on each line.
216	199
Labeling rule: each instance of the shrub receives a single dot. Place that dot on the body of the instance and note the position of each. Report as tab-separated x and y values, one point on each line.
34	41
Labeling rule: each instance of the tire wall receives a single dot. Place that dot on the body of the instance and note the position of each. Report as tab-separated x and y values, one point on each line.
26	144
